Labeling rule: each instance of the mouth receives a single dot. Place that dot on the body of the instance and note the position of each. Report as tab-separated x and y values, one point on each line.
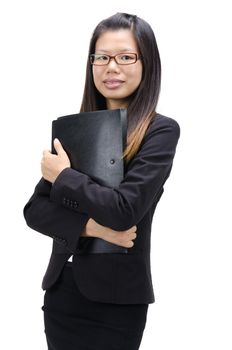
113	83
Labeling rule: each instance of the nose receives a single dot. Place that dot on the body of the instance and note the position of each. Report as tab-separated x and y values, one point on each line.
112	65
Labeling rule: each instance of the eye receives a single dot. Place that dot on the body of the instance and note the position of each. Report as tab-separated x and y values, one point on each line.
127	57
101	58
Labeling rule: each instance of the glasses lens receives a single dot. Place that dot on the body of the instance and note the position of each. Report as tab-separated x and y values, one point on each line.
99	60
122	58
126	58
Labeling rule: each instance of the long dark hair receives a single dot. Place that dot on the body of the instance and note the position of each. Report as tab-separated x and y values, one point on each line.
142	103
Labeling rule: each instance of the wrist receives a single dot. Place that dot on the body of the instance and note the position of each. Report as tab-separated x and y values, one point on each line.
94	229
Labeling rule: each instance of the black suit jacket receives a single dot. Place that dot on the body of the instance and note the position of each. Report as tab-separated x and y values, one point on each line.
62	210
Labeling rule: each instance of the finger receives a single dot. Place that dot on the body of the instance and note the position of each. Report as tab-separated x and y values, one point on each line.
58	147
127	237
45	152
132	229
132	236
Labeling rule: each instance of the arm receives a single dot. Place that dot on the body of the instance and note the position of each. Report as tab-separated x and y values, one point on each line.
48	218
52	219
122	238
124	206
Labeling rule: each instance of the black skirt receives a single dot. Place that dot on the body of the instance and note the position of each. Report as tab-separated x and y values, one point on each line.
73	322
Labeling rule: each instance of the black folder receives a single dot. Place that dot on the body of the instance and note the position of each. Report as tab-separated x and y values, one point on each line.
94	142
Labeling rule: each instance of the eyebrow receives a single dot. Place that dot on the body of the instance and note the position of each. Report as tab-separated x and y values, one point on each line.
123	50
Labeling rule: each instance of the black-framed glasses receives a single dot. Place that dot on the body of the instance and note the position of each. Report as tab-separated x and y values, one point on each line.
121	58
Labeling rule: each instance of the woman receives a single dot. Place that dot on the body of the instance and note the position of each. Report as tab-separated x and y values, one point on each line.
100	301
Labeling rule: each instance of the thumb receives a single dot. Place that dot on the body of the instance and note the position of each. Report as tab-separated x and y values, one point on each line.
58	147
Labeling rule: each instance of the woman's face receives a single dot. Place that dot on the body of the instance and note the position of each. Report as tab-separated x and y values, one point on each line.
117	82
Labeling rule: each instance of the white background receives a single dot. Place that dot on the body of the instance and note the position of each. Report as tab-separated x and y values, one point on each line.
44	47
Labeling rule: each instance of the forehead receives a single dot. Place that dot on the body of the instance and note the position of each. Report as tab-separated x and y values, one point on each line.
116	40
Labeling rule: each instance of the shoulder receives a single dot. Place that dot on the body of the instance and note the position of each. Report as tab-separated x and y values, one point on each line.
163	123
161	136
162	129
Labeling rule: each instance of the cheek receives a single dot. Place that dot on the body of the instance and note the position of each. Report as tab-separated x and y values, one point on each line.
96	76
135	76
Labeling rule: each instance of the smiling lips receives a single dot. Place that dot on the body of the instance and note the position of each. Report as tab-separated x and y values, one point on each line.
113	83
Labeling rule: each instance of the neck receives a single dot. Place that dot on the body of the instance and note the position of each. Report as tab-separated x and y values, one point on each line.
115	104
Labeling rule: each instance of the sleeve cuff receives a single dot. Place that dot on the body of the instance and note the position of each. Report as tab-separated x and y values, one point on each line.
59	190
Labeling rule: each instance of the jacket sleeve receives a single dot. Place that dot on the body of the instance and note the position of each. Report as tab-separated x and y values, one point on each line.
123	206
52	219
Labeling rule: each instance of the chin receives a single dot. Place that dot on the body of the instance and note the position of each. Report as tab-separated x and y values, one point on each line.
115	94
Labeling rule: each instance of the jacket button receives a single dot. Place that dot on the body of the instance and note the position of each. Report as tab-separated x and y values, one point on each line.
112	161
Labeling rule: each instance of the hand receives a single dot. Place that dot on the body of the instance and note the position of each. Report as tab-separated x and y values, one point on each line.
121	238
53	164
